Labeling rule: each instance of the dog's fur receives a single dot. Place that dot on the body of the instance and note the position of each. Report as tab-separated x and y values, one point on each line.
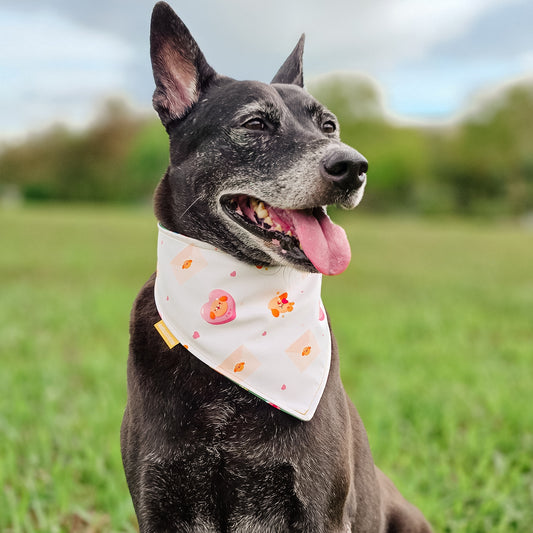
200	453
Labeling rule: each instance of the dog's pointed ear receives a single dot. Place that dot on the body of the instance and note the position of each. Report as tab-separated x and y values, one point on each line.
292	70
180	70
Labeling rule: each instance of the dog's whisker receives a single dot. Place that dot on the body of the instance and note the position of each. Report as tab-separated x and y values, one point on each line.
192	203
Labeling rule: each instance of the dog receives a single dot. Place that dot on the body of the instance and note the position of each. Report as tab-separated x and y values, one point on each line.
251	167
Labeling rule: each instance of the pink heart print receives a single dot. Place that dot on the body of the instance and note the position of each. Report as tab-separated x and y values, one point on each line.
219	308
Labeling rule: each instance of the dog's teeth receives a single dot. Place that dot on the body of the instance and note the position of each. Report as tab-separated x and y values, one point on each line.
261	210
277	227
268	220
289	233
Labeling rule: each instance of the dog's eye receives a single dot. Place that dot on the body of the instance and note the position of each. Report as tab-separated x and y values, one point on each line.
329	127
255	124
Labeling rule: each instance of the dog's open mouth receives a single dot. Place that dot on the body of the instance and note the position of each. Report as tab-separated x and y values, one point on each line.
301	236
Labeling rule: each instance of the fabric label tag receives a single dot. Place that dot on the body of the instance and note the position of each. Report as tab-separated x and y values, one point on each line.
166	334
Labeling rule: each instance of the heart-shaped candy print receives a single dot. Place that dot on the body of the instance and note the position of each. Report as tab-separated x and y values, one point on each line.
219	308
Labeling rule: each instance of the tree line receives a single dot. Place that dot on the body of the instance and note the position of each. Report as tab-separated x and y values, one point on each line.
480	164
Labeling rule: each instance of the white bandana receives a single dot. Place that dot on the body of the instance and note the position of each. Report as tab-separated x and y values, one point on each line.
263	328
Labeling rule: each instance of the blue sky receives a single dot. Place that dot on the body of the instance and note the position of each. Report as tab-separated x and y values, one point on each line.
59	59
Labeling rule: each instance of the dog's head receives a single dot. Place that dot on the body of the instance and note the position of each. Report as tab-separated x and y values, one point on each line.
252	165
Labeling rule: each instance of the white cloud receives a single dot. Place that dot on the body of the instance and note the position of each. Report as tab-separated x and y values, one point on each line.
54	69
526	60
369	35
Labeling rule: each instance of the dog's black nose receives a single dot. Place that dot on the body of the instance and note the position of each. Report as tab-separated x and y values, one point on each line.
344	167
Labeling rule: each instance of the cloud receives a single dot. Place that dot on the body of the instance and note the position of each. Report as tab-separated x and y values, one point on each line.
369	35
526	60
61	59
53	68
453	71
410	29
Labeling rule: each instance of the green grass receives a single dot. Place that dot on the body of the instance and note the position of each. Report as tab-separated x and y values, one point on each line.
435	325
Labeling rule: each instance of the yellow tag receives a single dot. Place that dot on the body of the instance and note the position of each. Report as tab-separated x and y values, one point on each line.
166	334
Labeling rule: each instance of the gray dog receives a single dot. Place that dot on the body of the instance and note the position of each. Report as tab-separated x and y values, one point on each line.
252	167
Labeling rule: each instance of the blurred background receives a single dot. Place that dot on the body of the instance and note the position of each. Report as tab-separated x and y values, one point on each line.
437	331
438	97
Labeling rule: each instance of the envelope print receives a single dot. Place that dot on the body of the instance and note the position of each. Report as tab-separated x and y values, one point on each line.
304	350
240	364
187	263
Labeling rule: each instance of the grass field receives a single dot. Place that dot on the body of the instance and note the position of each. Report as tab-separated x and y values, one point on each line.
435	324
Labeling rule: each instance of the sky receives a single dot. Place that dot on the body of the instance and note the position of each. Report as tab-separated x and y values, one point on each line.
60	59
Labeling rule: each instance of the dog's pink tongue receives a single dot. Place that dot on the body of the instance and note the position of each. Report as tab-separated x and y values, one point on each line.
325	244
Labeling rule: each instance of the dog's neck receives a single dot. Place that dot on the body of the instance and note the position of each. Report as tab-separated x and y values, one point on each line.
262	327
